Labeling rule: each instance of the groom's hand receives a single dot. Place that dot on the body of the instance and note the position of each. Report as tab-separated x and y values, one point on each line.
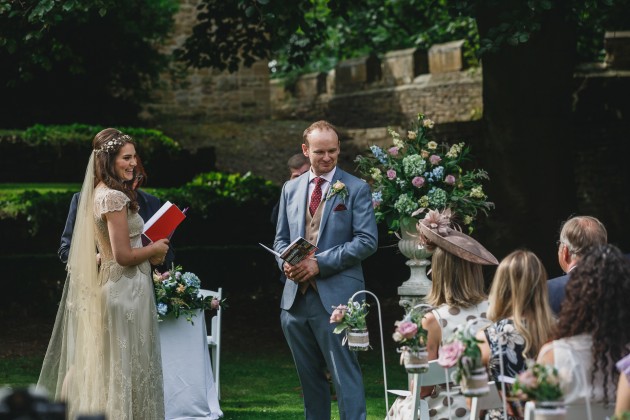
303	271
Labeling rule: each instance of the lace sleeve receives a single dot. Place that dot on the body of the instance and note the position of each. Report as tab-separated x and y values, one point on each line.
108	200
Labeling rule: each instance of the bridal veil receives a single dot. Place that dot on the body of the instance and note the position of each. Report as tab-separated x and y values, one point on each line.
73	366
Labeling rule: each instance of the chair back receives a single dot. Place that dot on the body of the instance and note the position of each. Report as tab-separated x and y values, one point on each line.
492	400
214	338
577	411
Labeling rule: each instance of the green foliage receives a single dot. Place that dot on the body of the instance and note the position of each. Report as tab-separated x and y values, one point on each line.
351	316
312	35
81	59
240	188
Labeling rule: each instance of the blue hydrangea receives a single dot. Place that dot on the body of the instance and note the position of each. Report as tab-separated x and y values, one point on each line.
379	154
191	280
438	173
413	165
162	308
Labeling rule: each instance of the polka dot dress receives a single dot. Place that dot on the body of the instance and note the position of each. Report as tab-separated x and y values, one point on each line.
449	318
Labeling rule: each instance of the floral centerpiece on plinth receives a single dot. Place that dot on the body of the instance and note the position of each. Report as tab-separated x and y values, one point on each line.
540	383
413	340
462	351
417	173
351	319
177	294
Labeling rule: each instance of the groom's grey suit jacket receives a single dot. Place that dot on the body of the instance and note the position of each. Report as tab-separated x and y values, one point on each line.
347	235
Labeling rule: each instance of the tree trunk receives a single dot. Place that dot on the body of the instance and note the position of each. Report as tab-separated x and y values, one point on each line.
527	135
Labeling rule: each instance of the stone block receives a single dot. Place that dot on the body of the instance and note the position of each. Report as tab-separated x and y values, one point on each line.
356	73
617	46
309	85
447	57
402	66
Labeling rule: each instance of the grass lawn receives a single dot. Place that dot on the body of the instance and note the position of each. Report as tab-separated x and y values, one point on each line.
256	385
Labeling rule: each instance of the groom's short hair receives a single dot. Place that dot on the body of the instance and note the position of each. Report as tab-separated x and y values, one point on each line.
319	125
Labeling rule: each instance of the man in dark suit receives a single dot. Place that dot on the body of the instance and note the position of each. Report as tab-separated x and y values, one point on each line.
333	210
148	203
576	236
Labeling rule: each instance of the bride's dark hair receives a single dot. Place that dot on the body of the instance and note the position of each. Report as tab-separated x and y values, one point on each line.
106	145
597	304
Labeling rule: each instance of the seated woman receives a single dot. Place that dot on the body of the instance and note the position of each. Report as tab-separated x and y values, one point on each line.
522	319
623	389
592	330
457	293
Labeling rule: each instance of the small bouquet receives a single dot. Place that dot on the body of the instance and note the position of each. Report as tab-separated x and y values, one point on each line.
351	316
538	382
413	338
462	351
178	293
409	331
351	319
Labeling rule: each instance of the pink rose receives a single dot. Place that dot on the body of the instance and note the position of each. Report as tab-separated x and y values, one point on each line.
338	314
407	329
528	380
393	151
450	354
391	174
214	304
418	181
435	159
450	179
166	275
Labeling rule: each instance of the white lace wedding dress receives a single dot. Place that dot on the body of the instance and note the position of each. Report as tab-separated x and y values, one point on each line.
132	361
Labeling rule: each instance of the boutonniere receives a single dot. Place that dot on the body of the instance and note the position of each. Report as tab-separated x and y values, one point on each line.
338	188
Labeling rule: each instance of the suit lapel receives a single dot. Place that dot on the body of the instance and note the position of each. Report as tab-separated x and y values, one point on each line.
331	202
302	202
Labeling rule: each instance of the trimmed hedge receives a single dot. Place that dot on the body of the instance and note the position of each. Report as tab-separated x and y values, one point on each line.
225	209
58	153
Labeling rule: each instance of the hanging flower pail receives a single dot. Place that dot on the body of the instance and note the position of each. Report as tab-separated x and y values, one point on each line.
475	384
416	361
358	339
550	410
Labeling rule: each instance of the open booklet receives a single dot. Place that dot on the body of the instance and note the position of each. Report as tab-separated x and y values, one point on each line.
164	222
295	252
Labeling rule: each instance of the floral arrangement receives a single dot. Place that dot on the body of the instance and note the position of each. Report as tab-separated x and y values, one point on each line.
462	350
409	332
416	174
178	294
538	382
351	316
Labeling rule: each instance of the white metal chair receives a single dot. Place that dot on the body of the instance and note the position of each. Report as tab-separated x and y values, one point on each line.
577	411
434	376
487	402
214	339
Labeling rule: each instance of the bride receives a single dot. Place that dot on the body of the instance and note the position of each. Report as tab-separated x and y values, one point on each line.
104	353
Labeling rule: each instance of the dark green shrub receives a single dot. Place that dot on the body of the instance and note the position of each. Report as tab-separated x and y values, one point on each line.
224	209
59	153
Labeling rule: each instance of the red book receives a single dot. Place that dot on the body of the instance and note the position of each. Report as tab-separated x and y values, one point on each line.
164	222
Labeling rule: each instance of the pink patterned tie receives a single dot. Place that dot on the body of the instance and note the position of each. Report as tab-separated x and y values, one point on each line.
316	197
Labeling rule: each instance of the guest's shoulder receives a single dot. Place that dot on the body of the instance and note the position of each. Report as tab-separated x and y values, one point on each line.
150	198
558	281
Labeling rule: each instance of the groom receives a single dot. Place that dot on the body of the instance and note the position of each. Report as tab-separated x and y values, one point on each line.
340	221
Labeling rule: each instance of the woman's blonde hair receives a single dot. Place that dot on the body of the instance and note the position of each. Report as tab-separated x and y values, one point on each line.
456	282
519	291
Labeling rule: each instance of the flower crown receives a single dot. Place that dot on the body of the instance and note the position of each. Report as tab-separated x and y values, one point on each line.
113	144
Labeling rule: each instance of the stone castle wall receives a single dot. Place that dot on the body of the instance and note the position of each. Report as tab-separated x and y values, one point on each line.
370	92
207	94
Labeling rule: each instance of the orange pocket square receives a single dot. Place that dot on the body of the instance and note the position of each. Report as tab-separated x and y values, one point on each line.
340	207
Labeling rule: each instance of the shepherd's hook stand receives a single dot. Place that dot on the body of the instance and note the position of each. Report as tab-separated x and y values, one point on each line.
380	323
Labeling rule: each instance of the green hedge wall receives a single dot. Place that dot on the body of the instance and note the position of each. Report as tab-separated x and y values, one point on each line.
224	209
59	153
